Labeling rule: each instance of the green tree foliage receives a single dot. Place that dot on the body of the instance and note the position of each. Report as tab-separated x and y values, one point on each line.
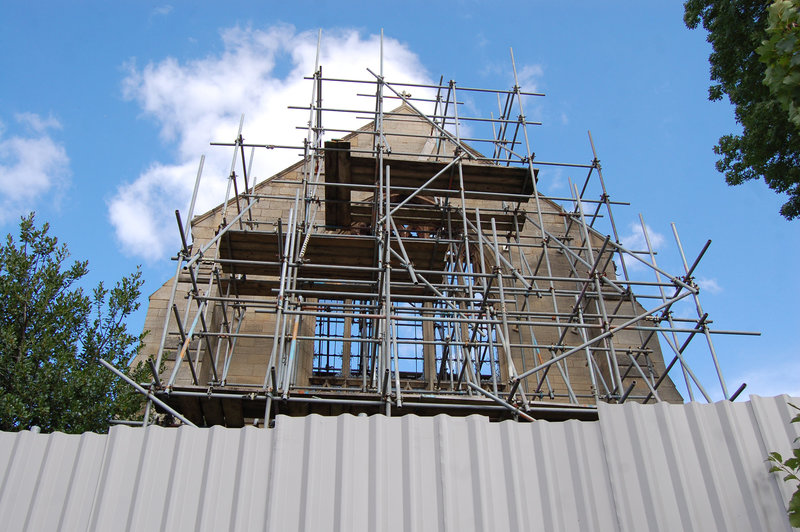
52	335
781	55
791	467
769	145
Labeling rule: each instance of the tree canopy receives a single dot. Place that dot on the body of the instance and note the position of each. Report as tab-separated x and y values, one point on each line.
52	335
780	52
769	146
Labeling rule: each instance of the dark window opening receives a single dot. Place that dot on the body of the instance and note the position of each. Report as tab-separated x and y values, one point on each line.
339	338
410	342
359	330
328	340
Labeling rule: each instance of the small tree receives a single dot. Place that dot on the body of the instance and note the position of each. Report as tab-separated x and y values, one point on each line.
52	335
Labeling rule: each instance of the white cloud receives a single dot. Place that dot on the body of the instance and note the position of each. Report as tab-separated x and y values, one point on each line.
553	181
259	73
162	10
32	165
36	124
709	285
529	78
635	240
133	211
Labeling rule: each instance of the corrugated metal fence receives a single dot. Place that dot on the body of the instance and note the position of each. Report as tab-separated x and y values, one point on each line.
656	467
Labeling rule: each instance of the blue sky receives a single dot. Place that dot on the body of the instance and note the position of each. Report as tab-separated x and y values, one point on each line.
107	106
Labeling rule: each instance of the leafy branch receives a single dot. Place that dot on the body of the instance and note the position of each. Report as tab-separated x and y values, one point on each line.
780	52
791	468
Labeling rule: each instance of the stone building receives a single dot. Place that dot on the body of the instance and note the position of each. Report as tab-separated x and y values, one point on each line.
462	290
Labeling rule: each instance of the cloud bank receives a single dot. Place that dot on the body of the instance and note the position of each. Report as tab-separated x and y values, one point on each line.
258	73
32	165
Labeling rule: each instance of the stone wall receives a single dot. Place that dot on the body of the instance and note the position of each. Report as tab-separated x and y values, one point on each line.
276	195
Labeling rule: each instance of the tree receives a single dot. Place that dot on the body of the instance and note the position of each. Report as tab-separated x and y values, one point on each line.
52	335
769	145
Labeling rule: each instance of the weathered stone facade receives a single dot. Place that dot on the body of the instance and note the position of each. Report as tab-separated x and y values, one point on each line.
552	268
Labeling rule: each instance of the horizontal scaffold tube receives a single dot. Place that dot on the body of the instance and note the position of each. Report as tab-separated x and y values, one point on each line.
606	334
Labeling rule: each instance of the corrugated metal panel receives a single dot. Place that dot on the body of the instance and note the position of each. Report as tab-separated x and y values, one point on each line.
691	467
444	473
656	467
771	415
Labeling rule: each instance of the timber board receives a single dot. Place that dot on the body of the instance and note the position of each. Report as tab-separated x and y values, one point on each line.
481	181
323	250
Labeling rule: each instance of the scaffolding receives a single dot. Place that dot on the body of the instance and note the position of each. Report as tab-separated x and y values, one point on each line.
413	265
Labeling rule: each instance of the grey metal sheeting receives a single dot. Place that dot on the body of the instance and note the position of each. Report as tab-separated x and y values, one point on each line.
656	467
